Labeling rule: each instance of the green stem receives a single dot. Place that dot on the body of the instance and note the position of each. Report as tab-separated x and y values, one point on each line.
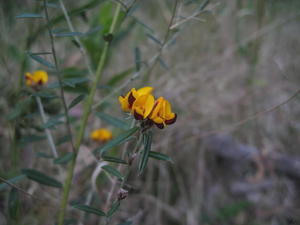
86	113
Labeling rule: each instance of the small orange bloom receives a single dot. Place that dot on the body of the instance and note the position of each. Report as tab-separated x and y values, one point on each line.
101	135
142	105
162	114
38	78
128	100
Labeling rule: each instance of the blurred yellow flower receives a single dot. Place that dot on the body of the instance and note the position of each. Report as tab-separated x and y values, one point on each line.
128	100
162	114
39	77
101	135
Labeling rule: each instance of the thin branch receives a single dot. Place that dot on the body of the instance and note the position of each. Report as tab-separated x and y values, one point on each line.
59	76
19	189
193	16
48	133
77	40
166	38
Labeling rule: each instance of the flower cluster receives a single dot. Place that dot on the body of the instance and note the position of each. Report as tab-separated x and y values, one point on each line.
143	106
101	135
37	78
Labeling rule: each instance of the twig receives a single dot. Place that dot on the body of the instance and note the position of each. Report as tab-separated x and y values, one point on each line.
77	40
193	16
59	76
166	37
48	133
114	182
19	189
93	190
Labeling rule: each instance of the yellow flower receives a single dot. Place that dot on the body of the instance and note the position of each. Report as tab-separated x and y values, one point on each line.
39	77
101	135
162	114
128	100
142	106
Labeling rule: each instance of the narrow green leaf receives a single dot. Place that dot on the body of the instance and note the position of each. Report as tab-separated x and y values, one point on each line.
12	180
67	34
113	159
119	77
203	5
64	159
112	120
13	204
89	209
73	72
53	85
16	112
71	221
73	12
78	89
52	123
32	115
162	63
116	141
75	80
143	25
133	8
29	16
159	156
69	83
44	155
40	60
52	5
113	208
137	54
154	39
41	53
19	109
63	139
113	171
145	153
92	31
31	138
76	101
44	94
41	178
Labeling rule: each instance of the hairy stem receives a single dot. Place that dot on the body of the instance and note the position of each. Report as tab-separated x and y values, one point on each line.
85	116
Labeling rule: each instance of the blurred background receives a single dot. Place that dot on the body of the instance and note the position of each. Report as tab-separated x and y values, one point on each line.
231	72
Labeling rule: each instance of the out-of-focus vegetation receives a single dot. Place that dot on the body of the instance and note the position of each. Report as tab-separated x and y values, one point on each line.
228	67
